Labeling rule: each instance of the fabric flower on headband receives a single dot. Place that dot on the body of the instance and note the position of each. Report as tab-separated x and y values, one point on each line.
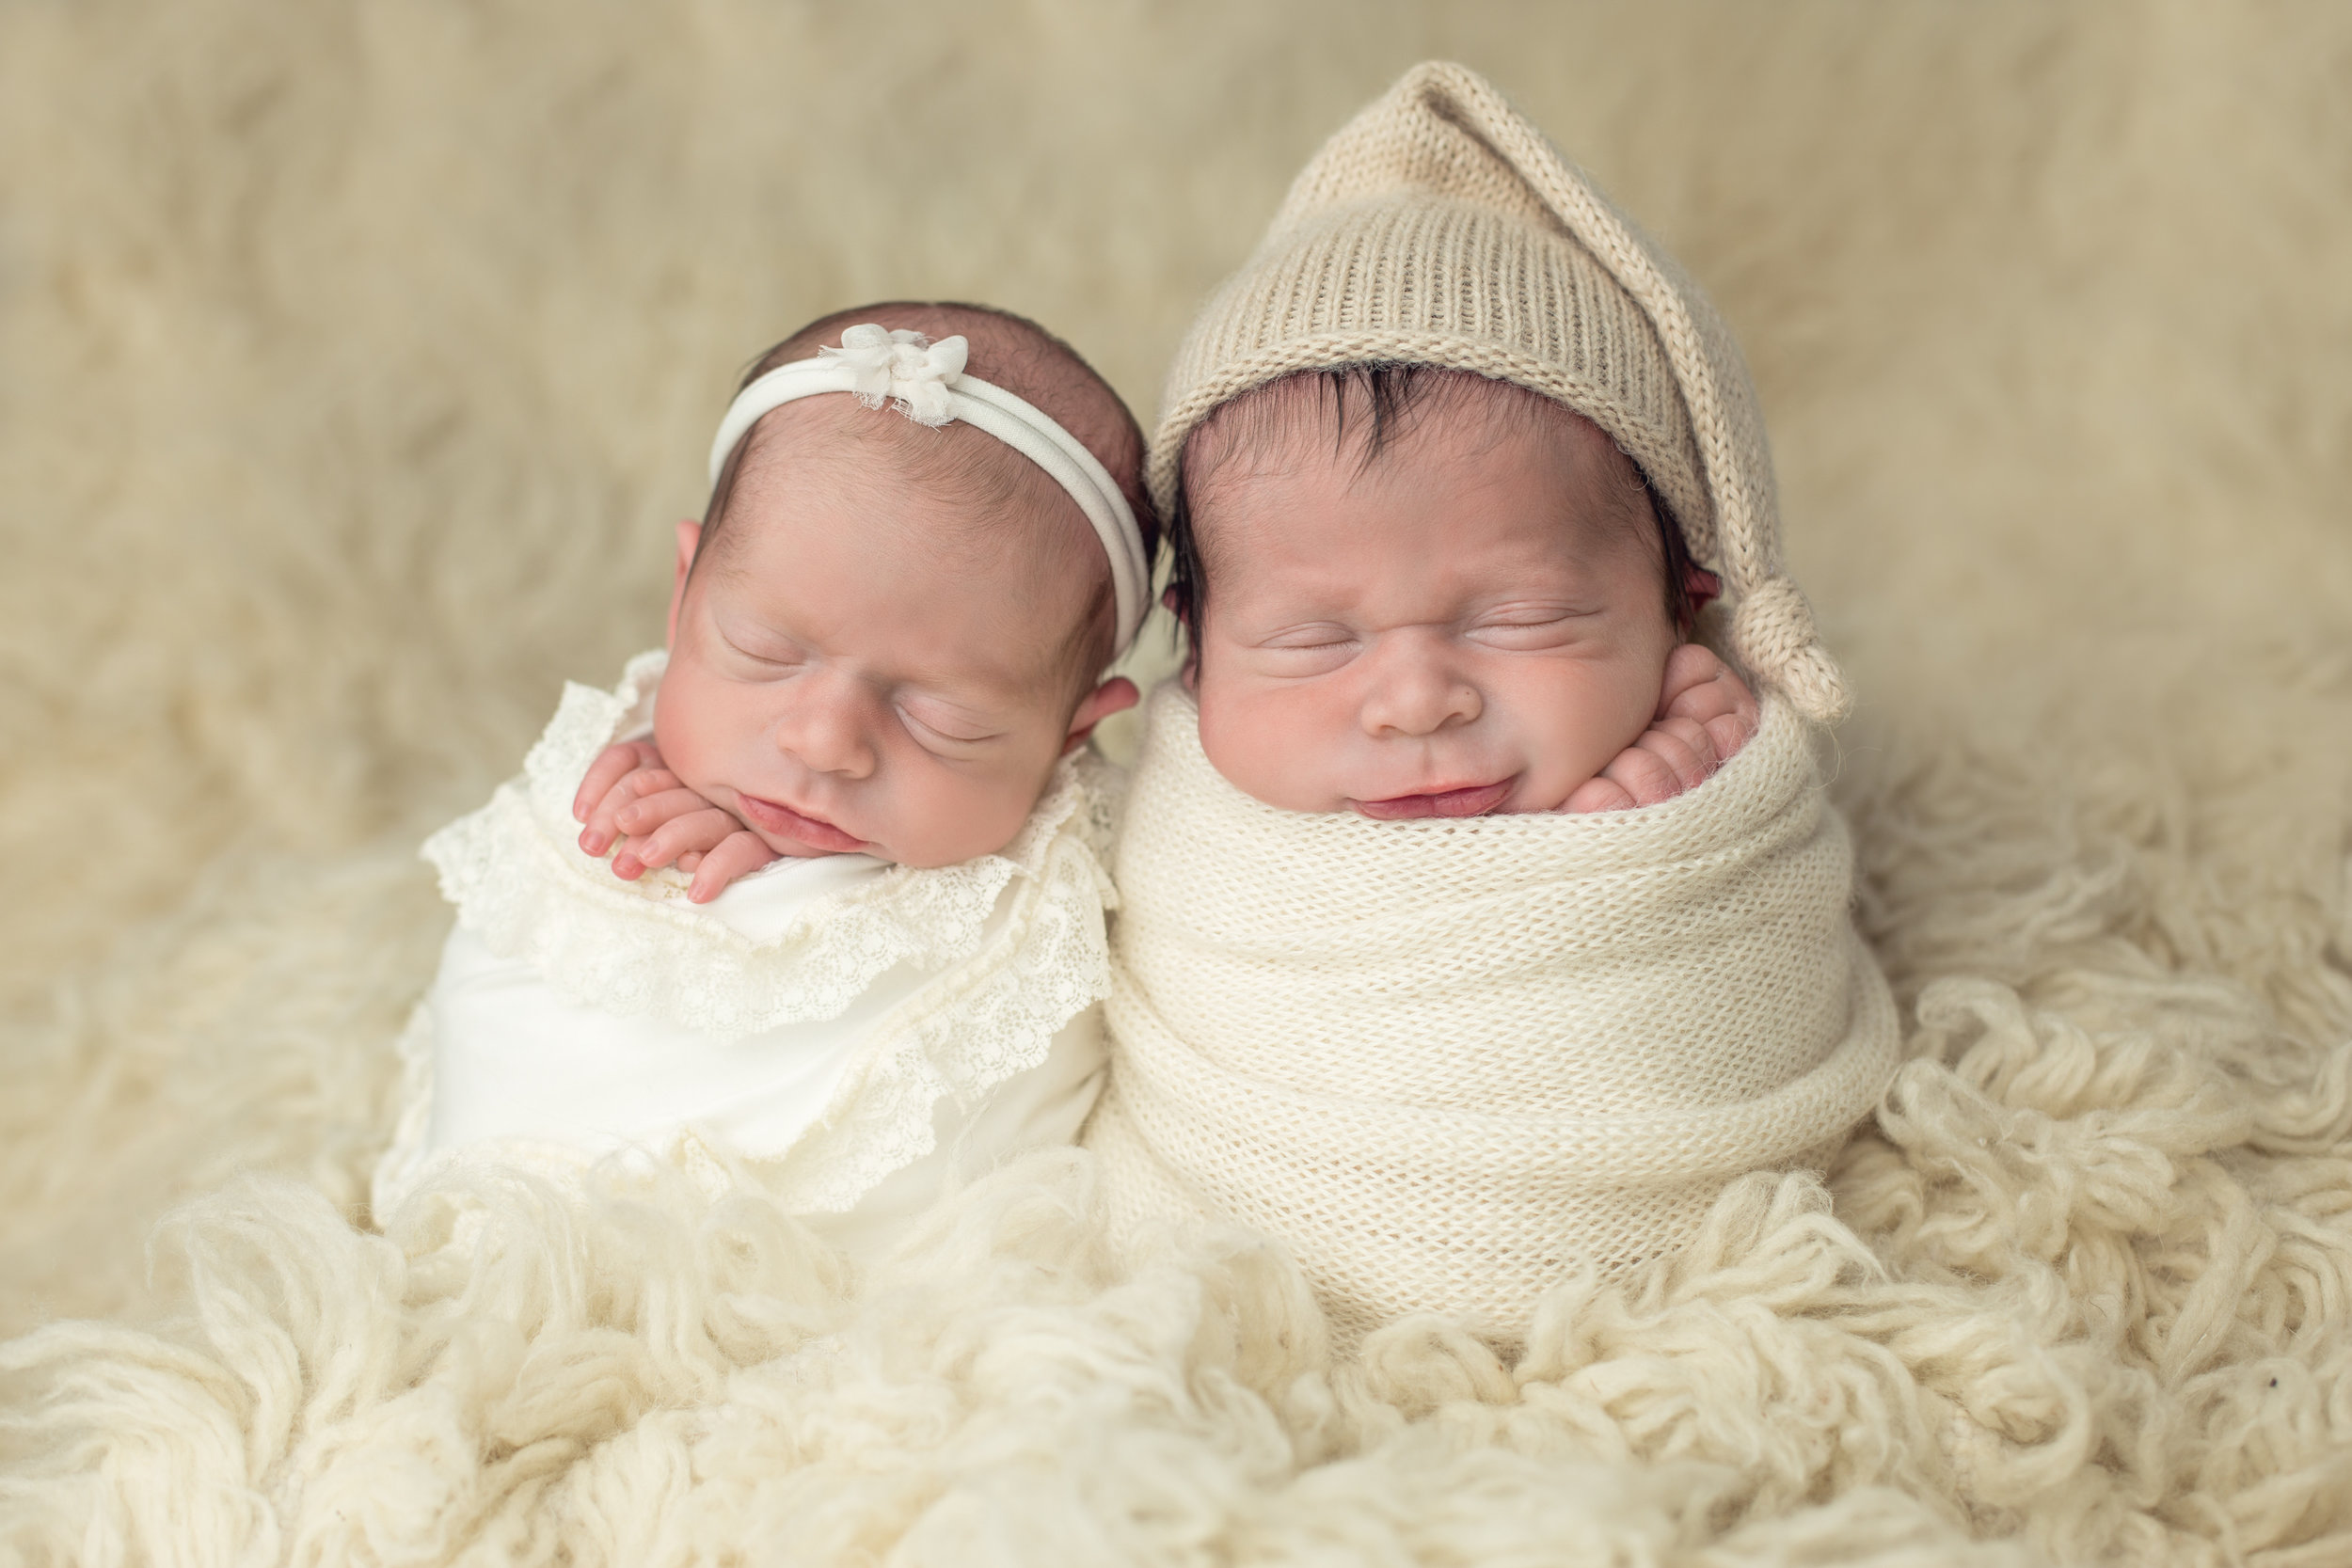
904	367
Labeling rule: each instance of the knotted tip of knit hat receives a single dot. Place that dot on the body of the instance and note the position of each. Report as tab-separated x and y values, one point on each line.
1775	635
1440	227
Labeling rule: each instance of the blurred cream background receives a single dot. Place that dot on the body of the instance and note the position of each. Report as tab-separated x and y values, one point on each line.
356	359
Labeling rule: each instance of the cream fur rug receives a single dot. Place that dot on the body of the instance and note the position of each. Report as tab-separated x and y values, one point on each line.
352	363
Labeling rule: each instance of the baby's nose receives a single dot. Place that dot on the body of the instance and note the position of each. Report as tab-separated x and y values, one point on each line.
1416	691
828	728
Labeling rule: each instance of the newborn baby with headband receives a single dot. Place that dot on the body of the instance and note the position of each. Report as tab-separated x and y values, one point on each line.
818	886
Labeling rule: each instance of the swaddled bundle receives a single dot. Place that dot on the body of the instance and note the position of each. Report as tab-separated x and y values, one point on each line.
1441	443
1450	1061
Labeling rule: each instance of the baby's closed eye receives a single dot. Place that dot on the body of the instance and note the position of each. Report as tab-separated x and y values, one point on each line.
932	720
750	640
1528	625
1308	650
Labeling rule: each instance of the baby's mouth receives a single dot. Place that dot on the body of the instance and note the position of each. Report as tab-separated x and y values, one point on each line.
1475	800
775	817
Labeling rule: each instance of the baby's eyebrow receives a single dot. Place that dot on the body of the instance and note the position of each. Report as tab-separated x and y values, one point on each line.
726	566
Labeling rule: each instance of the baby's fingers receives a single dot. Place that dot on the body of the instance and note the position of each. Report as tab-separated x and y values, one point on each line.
1690	670
1689	748
611	819
1720	704
1742	720
738	854
1653	769
1599	794
703	831
1669	743
612	765
665	800
1730	732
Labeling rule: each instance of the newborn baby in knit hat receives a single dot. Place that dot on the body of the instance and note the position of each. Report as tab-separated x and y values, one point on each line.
817	887
1476	926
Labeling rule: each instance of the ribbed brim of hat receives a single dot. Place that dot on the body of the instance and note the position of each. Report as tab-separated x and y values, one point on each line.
1443	283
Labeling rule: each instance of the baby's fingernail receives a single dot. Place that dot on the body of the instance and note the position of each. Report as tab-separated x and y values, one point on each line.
593	841
627	867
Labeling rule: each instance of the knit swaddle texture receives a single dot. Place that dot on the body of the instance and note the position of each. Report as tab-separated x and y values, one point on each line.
1449	1061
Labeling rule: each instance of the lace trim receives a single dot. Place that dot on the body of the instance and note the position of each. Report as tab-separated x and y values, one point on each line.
519	880
1049	963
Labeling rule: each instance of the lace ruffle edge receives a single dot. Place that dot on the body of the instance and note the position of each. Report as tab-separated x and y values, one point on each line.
1001	1023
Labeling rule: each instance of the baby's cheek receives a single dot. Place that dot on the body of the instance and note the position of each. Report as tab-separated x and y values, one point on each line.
1581	720
1274	749
952	818
681	728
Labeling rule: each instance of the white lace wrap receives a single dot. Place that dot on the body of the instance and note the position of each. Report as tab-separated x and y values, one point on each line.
979	966
1448	1061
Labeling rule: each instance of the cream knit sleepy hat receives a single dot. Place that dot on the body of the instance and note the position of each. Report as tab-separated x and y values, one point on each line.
1440	228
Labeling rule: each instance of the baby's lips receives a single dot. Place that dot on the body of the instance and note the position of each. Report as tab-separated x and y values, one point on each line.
814	831
1475	800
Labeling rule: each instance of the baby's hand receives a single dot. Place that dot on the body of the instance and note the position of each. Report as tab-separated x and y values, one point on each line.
629	796
1705	715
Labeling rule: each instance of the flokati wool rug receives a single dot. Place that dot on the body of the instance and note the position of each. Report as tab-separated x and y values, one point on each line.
353	362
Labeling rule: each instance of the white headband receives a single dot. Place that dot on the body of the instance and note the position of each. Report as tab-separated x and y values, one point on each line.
926	381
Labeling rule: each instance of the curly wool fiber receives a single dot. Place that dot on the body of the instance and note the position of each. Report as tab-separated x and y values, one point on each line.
2083	1292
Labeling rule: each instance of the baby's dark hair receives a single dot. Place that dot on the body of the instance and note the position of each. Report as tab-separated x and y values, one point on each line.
1011	352
1386	396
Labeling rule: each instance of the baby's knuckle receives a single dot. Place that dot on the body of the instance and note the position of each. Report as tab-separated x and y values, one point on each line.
1637	771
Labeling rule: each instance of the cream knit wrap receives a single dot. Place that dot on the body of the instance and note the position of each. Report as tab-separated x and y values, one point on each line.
1450	1061
1440	228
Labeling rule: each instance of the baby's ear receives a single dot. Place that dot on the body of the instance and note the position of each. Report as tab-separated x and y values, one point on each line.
1115	696
1702	586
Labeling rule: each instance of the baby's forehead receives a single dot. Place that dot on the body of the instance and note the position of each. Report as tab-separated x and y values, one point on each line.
833	482
1357	418
875	466
1344	430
